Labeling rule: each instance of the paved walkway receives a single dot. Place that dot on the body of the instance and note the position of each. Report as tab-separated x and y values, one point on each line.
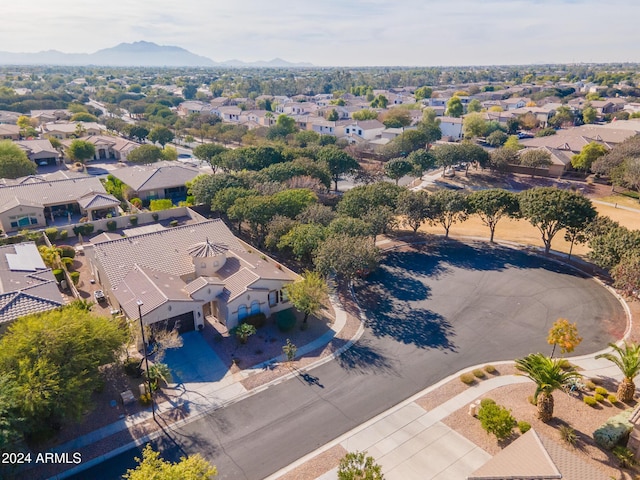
412	443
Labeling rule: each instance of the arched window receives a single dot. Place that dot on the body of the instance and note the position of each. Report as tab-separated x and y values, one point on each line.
255	307
242	311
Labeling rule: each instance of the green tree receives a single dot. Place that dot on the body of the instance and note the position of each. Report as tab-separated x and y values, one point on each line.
454	107
138	132
550	210
627	359
54	359
382	219
429	126
14	162
152	467
474	106
81	151
161	135
346	256
413	206
145	154
338	162
359	466
626	274
535	158
303	239
497	139
447	207
364	114
492	205
333	116
397	118
405	143
83	117
225	198
548	375
308	293
293	202
396	168
257	210
496	420
564	334
501	158
422	92
169	153
512	143
209	152
589	114
589	154
359	200
353	227
474	125
422	160
563	116
380	102
448	155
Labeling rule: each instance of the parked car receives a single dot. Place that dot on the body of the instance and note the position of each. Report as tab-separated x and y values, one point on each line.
99	296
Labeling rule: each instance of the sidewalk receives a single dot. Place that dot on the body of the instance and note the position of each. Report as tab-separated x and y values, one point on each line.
412	443
200	399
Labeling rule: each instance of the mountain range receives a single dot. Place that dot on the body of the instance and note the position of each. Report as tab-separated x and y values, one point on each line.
137	54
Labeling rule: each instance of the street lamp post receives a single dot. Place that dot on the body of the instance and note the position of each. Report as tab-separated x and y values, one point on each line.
146	359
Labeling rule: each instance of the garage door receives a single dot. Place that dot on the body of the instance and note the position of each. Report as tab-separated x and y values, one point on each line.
184	323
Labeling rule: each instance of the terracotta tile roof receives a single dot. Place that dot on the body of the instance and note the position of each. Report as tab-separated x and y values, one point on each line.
98	200
141	178
165	250
238	283
202	282
534	457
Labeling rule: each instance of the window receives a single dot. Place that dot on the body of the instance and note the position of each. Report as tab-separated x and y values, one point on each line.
242	311
273	298
284	298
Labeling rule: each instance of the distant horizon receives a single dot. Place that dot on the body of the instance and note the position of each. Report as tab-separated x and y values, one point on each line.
358	33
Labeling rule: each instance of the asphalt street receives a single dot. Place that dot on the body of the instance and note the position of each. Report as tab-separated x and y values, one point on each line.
430	314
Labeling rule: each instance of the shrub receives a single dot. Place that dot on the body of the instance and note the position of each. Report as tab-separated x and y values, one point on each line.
601	390
58	274
612	398
243	332
285	320
75	277
614	431
625	456
356	465
155	216
487	401
590	385
257	319
524	427
132	367
496	420
67	251
467	378
599	397
88	228
68	262
478	373
136	202
160	204
51	233
568	434
112	225
490	369
63	234
133	220
173	223
592	402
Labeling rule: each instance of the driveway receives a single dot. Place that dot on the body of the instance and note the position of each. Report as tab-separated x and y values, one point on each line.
195	362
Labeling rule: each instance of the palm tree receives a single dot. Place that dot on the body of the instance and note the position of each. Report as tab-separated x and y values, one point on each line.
627	359
548	376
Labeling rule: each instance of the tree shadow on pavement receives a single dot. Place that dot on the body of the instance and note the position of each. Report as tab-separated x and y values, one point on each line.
362	357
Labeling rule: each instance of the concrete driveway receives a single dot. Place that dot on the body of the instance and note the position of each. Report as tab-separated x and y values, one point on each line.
195	362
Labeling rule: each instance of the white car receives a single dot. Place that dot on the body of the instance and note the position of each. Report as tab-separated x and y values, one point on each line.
99	296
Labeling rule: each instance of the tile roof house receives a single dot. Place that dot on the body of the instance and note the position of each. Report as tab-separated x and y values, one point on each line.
26	284
108	147
160	180
62	130
41	152
533	456
184	274
44	116
33	201
9	132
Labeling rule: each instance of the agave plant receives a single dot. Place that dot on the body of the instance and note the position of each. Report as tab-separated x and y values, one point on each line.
548	375
627	359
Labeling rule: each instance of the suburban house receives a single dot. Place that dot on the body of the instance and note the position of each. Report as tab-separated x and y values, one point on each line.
9	132
37	202
27	285
533	456
40	152
365	130
451	127
46	116
107	147
160	180
573	139
72	129
185	274
9	117
514	103
227	114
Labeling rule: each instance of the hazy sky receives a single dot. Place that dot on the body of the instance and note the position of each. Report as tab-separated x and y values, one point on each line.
338	32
